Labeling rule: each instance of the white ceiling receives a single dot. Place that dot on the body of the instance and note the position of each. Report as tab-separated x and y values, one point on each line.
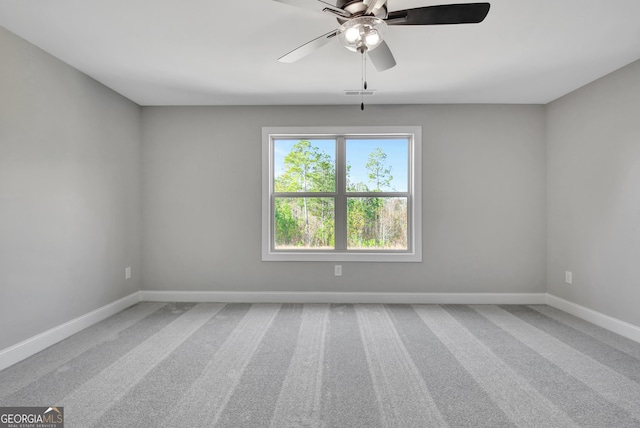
209	52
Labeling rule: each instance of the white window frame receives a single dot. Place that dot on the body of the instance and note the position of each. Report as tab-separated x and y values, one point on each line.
414	203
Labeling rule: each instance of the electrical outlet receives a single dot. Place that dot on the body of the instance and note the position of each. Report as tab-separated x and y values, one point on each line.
568	277
127	272
337	270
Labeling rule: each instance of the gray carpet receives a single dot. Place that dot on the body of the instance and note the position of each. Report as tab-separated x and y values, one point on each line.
313	365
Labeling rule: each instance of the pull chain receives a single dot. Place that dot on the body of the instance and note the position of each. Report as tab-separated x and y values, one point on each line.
364	79
364	62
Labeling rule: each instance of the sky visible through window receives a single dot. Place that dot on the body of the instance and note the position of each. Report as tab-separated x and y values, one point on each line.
358	151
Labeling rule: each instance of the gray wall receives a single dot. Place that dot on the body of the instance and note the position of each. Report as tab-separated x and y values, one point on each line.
69	192
483	200
512	197
593	137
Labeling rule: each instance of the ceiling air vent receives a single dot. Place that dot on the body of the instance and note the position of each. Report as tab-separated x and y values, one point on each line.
360	92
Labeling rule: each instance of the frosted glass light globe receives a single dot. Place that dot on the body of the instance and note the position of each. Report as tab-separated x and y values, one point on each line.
373	38
352	34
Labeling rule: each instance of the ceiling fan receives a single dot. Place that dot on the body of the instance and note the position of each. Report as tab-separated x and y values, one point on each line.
364	22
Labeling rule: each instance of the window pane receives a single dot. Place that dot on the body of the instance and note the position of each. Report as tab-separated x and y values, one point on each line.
377	223
377	165
304	223
304	165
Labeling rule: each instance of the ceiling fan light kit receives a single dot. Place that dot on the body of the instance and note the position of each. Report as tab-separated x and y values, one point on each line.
362	34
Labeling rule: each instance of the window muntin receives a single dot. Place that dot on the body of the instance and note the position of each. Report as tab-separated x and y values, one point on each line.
341	194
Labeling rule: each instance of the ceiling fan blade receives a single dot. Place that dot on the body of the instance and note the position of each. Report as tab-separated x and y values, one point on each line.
468	13
318	6
309	47
381	57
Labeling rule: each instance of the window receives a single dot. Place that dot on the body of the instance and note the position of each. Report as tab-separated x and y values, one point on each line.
341	194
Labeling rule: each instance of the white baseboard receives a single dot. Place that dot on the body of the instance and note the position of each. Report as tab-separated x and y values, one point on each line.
343	297
26	348
615	325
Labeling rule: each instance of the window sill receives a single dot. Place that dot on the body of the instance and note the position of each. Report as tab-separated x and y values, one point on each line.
377	257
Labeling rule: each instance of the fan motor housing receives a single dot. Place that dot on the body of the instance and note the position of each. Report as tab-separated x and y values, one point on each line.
358	8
